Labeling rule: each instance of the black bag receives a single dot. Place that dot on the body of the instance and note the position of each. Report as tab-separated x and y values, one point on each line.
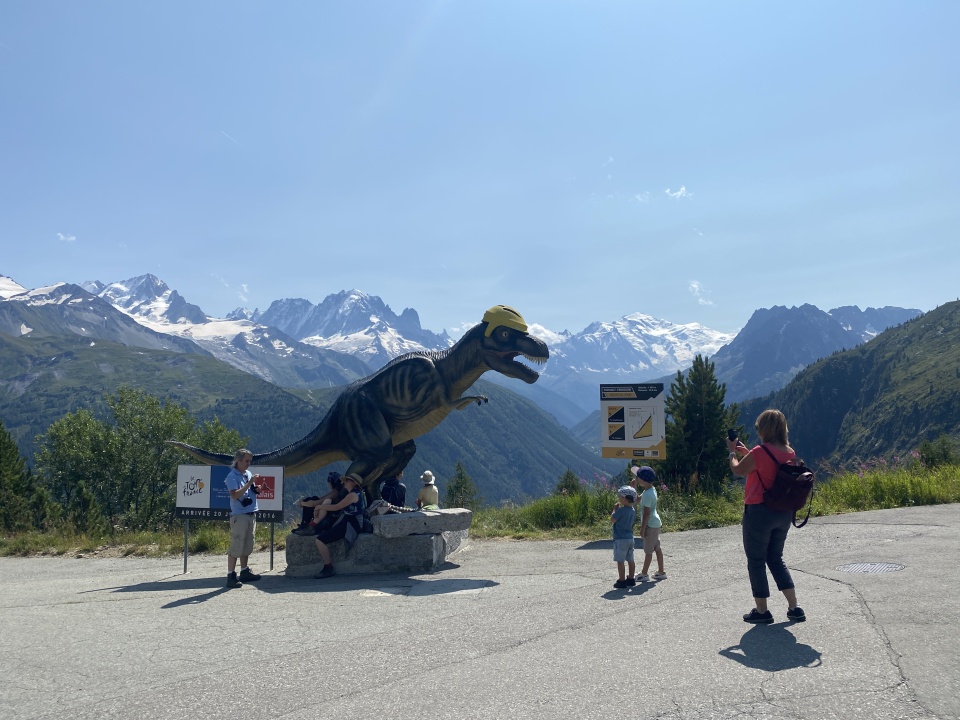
792	486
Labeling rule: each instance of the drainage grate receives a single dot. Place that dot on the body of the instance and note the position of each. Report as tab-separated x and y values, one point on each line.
870	567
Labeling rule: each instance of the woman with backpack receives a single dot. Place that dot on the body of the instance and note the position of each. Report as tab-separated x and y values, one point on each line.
765	529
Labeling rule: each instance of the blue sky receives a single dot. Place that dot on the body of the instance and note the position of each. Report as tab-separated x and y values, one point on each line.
580	161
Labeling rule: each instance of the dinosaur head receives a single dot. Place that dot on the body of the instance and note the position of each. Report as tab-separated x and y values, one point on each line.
505	337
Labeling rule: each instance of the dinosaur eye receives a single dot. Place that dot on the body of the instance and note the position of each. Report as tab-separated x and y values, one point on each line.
504	334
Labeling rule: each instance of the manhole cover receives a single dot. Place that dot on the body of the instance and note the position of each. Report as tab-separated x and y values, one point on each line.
870	567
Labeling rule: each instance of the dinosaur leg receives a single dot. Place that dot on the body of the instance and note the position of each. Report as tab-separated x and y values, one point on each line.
367	438
401	457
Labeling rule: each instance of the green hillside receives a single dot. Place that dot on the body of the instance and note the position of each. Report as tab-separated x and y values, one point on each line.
509	447
43	379
880	399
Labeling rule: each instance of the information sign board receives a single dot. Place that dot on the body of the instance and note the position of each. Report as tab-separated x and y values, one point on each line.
632	423
202	493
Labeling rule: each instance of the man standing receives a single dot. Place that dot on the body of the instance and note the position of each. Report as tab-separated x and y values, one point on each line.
243	517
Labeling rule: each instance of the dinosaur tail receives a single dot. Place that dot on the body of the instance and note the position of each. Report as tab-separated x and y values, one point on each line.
204	456
311	453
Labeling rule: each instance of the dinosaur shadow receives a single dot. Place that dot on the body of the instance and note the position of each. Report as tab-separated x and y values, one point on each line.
772	648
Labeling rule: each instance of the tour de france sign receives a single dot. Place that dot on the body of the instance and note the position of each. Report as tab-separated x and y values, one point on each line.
202	493
632	424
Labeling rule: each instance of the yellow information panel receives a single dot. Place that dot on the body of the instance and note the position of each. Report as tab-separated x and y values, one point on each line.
632	421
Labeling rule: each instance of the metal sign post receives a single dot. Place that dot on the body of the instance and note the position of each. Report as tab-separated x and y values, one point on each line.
186	543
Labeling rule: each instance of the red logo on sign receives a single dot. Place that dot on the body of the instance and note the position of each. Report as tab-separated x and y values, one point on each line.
268	487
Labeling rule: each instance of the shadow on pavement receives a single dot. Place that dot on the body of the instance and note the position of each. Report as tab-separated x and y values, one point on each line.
608	544
213	586
772	648
624	593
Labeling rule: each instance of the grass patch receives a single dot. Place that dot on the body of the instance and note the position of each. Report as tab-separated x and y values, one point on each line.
578	516
881	489
586	515
209	538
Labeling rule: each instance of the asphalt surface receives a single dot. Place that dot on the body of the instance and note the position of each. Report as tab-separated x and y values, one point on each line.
506	630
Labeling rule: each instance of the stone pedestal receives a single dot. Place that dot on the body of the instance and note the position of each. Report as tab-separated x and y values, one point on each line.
406	542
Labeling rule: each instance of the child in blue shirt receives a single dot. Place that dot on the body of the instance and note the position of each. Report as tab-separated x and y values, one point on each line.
622	518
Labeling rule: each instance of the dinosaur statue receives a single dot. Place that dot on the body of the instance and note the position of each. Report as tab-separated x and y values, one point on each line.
374	421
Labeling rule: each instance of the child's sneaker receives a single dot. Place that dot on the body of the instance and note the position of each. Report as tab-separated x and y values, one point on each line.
621	584
659	576
796	614
643	578
631	581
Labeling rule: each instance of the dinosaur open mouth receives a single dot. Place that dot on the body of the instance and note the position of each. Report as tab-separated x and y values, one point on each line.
510	365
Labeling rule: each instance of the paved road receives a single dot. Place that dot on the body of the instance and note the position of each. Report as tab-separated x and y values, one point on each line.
508	630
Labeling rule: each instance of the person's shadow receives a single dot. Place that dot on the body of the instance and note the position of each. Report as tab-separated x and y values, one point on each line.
772	648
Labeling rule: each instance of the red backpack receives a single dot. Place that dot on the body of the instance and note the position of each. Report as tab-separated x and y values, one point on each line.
792	486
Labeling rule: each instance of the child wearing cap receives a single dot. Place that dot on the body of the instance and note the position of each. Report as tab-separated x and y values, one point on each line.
623	517
650	522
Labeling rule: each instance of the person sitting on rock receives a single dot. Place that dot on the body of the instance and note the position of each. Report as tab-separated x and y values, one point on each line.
347	523
429	496
315	508
393	491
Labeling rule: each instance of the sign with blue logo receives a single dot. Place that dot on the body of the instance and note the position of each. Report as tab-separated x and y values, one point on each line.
202	493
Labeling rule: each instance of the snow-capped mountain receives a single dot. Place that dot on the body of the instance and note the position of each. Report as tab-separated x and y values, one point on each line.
635	348
351	322
637	345
249	346
65	309
147	297
9	286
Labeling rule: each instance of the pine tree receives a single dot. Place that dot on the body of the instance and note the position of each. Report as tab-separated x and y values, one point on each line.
84	514
14	499
569	484
461	492
697	422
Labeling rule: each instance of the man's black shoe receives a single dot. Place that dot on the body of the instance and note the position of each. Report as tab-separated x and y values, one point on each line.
232	581
247	576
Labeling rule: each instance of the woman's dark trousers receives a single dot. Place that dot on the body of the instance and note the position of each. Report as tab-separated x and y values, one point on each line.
764	533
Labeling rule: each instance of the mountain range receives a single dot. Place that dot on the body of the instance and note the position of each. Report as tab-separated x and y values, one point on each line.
298	344
877	400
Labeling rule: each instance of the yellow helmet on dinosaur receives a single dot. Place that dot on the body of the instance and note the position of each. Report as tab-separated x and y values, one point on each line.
503	315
